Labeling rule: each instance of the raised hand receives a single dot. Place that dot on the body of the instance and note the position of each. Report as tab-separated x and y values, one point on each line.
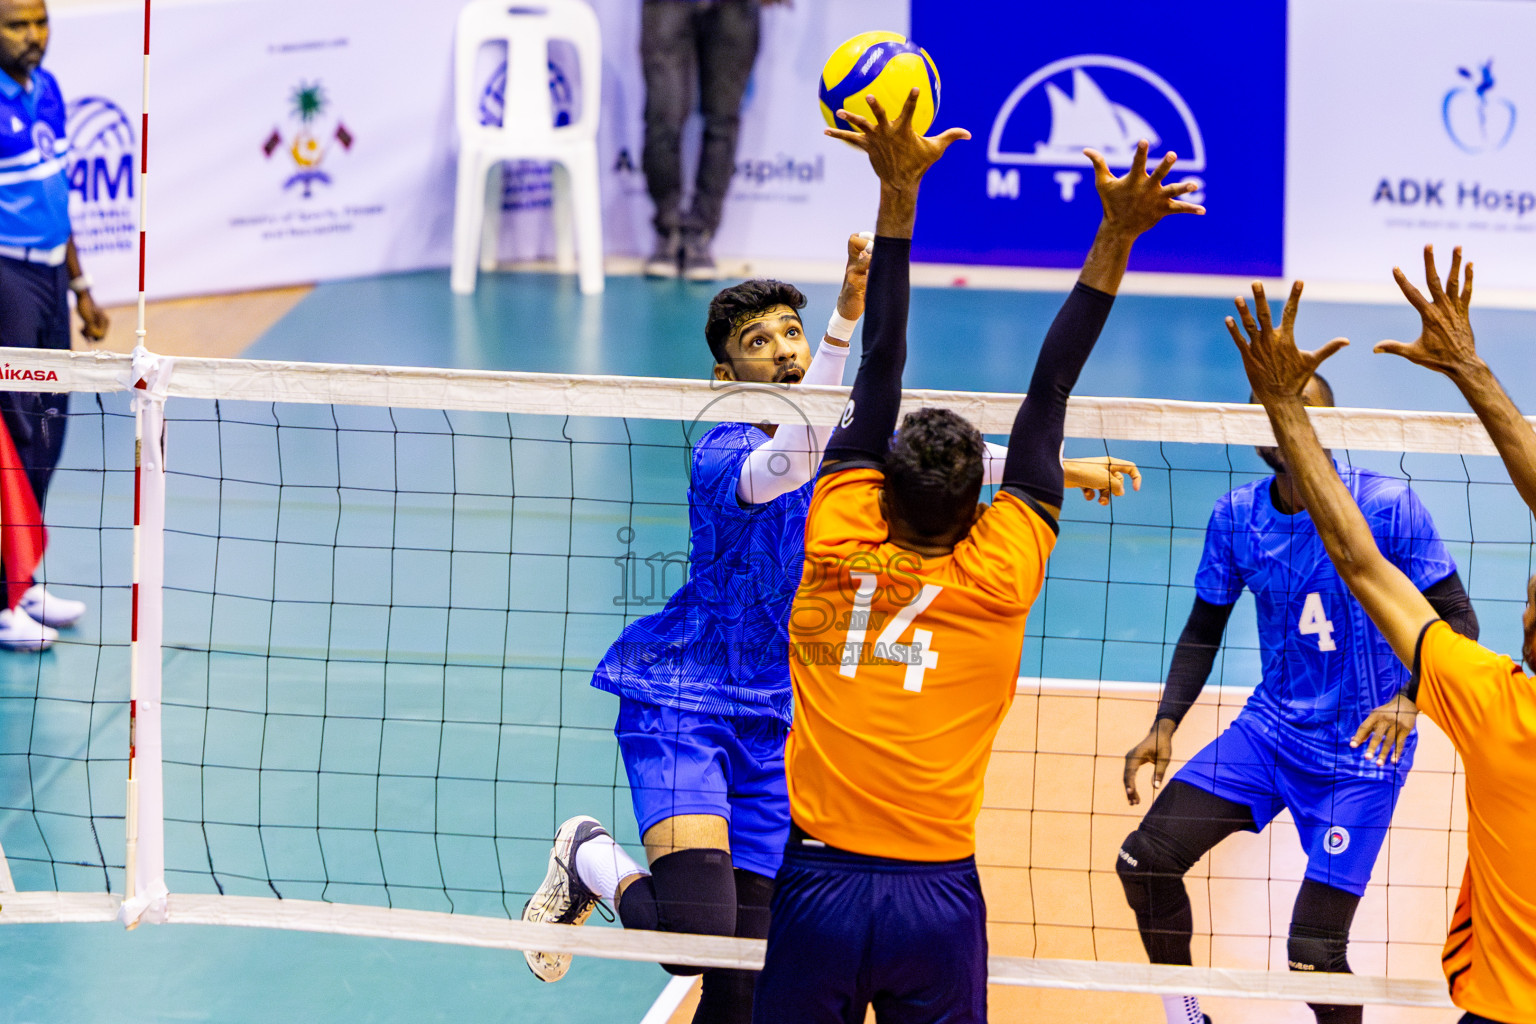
1276	367
850	298
1156	750
1100	476
1445	340
1136	201
898	154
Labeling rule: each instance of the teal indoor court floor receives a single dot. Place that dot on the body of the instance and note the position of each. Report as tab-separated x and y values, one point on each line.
380	626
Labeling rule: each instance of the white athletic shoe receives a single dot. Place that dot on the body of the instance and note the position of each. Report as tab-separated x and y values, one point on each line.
21	632
562	898
50	609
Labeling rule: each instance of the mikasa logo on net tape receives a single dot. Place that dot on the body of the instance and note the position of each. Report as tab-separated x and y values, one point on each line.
9	372
1077	102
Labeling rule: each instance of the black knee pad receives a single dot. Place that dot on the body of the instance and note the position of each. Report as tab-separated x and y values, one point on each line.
1147	865
691	891
1319	941
1318	949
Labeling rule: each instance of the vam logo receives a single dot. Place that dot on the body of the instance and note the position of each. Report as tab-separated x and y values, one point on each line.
102	149
1092	101
1336	841
1476	120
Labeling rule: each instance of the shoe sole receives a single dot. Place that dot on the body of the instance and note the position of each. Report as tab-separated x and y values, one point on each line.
551	967
662	273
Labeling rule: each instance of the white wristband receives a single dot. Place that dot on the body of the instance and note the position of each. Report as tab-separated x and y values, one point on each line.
840	328
81	284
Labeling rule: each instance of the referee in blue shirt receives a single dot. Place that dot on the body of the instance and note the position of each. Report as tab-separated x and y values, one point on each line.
38	268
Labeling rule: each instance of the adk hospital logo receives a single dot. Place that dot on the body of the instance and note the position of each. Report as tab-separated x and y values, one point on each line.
1480	122
1476	118
102	149
1093	101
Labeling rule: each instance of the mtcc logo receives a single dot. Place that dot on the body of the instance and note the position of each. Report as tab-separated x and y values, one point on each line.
1477	120
102	149
1091	101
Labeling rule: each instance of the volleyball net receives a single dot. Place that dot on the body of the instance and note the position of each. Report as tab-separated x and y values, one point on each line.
381	593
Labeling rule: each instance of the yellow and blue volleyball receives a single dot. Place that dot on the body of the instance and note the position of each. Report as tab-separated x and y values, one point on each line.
887	65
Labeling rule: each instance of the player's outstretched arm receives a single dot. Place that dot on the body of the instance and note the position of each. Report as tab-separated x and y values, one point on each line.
1133	204
1278	371
900	157
1445	343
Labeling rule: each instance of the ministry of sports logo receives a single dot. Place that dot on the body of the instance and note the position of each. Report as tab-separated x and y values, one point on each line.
102	149
309	143
1337	839
1092	101
1476	119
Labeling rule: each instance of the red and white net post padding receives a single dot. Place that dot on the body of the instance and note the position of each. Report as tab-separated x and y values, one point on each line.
144	825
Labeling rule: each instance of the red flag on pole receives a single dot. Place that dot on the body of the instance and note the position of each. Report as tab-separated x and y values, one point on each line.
22	536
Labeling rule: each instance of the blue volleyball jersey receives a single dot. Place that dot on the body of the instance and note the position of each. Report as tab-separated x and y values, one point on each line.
34	189
1325	664
719	645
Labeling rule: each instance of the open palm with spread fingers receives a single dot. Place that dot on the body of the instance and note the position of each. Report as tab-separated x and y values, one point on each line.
1445	340
1136	201
1276	367
898	154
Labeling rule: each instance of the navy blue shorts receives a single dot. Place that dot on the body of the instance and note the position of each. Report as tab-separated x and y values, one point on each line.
1343	819
848	930
680	762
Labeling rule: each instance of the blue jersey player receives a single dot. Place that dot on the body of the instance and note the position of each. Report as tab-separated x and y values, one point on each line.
1325	669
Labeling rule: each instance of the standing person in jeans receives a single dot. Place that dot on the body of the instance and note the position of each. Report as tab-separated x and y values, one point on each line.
39	267
682	42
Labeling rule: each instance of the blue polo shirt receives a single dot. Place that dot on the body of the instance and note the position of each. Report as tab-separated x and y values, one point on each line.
34	188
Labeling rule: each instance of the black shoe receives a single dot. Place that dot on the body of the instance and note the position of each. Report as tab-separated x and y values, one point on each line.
666	261
562	898
698	261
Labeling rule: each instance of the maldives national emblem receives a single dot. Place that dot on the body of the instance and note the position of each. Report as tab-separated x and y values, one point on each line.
311	141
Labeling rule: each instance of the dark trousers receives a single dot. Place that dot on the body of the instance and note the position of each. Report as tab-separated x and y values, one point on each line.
34	313
682	43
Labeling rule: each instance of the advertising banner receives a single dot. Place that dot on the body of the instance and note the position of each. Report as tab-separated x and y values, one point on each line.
1044	81
298	142
1411	124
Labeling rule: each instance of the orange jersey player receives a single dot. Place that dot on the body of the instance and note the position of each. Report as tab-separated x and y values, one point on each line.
905	635
1483	701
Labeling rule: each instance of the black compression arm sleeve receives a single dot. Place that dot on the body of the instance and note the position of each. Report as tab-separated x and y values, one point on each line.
1033	466
1193	658
1450	601
864	435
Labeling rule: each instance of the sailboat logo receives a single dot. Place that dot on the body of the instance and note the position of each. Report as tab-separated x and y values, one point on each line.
1084	111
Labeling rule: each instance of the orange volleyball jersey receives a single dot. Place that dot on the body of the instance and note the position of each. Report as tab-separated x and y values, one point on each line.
1488	708
903	668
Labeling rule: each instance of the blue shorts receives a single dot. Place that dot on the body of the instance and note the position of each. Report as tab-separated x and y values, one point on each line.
848	930
680	762
1342	818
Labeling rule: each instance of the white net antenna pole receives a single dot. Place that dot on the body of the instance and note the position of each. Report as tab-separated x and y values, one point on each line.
144	821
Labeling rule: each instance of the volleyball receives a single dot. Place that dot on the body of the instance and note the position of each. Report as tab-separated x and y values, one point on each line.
886	65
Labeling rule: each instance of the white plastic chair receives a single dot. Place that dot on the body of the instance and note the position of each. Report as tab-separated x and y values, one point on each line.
527	132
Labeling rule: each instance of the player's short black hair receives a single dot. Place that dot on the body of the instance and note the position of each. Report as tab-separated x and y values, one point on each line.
933	472
740	302
1321	380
